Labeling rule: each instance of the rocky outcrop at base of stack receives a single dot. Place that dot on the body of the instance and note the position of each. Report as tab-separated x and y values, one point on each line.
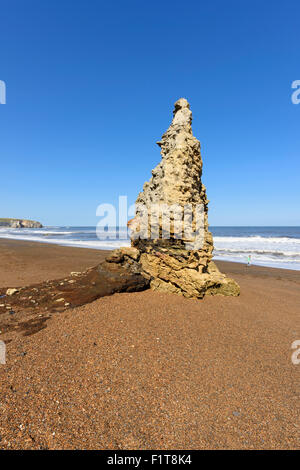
179	261
20	223
175	270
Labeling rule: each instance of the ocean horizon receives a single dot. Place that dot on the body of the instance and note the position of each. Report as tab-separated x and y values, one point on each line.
277	247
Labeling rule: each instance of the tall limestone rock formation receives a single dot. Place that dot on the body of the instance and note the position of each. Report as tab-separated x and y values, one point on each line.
171	244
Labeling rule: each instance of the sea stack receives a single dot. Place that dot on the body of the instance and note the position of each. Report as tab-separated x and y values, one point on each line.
176	258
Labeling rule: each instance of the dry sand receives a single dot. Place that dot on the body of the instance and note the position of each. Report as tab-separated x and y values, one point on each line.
24	263
152	371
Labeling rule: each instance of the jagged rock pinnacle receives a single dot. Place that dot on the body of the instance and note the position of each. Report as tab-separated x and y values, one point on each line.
182	113
173	259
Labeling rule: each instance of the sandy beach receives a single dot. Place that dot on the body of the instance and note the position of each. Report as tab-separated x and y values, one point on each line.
149	370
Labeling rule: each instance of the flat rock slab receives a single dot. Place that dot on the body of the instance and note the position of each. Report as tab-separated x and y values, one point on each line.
28	308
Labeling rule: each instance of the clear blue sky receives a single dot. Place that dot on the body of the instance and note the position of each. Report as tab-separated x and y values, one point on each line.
91	87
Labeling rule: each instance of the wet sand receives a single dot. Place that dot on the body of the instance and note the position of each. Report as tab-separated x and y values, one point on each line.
152	371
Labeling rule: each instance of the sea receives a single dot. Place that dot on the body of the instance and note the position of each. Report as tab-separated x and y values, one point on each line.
277	247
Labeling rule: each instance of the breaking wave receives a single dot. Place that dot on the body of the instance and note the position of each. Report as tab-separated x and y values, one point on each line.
268	246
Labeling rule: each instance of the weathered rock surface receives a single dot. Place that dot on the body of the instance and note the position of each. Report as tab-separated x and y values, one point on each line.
20	223
27	309
181	262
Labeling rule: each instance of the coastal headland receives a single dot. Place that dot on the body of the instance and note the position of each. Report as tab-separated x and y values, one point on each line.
149	369
19	223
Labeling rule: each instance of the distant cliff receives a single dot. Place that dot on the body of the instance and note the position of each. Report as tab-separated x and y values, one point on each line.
20	223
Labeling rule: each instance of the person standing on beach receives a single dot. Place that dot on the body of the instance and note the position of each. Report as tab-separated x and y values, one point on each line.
249	260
